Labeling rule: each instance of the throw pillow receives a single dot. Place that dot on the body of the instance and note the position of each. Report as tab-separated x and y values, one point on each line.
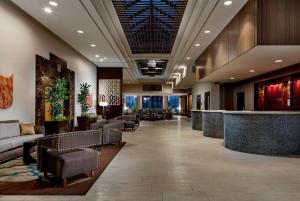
27	129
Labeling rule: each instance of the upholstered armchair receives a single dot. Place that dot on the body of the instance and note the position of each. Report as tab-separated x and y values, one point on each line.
110	131
63	154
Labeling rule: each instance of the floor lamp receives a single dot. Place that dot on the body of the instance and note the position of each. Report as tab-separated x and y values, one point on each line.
103	104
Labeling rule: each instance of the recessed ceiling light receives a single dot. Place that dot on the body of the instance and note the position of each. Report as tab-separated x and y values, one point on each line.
96	55
227	3
251	70
80	31
278	61
207	31
232	78
105	58
101	60
188	58
93	45
48	10
197	45
53	3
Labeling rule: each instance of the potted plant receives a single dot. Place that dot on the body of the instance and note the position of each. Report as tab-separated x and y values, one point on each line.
169	113
83	120
56	96
134	109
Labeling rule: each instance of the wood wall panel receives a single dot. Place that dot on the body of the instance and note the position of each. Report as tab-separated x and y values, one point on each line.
294	22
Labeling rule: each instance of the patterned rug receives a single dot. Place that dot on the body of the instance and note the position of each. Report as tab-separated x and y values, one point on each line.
17	171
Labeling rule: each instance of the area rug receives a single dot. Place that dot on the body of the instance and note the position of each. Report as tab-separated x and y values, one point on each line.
17	178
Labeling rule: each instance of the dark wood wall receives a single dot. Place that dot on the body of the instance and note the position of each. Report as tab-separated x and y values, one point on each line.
259	22
110	73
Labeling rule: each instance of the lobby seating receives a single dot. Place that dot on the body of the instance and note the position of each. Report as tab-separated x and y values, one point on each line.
152	114
63	155
11	140
111	134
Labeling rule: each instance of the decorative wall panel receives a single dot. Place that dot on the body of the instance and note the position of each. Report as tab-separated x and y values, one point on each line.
110	91
6	92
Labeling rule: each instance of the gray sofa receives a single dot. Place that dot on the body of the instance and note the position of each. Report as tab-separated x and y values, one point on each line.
109	129
11	140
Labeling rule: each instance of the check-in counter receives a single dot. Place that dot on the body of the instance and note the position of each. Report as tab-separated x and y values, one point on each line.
197	119
212	123
261	132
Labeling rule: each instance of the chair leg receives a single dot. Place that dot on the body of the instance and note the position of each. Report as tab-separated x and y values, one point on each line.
65	181
92	173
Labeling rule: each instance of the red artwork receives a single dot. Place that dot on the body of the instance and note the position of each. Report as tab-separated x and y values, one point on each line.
6	91
297	93
90	100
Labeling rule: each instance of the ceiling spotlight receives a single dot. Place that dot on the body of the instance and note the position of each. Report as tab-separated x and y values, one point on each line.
97	55
104	58
93	45
232	78
252	71
188	58
101	60
197	45
207	31
278	61
53	3
227	3
80	31
48	10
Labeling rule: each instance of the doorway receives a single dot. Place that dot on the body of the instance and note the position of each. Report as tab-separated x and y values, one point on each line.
240	101
207	100
198	102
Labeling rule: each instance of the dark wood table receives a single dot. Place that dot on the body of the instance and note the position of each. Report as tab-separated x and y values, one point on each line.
27	146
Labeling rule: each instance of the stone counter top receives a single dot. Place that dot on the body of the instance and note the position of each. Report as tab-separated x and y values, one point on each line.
218	111
261	112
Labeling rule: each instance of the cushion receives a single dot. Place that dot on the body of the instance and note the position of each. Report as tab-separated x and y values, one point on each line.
27	129
9	130
14	142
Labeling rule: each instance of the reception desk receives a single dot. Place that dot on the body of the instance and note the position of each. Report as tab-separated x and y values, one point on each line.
197	119
260	132
212	123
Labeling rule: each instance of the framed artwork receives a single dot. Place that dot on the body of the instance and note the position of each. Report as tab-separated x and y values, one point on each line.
6	91
198	102
89	100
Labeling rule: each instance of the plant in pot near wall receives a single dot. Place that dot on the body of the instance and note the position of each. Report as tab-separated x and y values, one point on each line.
56	96
169	113
134	109
83	120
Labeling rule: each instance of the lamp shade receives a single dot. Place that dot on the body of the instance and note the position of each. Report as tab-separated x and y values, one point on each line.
104	104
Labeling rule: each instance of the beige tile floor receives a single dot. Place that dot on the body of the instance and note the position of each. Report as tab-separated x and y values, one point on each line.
168	161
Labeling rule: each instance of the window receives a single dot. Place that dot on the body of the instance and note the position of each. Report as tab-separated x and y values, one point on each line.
131	101
152	102
173	102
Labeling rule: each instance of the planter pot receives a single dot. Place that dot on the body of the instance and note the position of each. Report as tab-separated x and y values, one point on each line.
56	127
169	115
83	123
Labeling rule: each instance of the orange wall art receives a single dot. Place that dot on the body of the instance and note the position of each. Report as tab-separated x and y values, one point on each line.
6	91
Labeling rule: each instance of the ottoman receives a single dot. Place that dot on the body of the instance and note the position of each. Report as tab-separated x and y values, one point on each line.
63	165
129	124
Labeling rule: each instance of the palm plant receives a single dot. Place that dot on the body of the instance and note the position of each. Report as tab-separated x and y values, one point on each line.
56	96
82	98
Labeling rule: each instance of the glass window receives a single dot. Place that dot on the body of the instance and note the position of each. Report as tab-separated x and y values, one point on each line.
131	101
152	102
173	102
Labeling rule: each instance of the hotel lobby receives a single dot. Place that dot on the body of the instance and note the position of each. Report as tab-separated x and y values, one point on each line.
150	100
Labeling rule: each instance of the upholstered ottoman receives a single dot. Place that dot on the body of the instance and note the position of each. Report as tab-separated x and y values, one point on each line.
71	163
129	124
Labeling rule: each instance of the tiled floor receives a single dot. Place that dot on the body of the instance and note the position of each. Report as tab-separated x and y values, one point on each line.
168	161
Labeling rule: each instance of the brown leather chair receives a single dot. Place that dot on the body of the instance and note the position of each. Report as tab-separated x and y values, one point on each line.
63	155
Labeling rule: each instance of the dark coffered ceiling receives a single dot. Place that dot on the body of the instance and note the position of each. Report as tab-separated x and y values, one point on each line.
152	68
150	26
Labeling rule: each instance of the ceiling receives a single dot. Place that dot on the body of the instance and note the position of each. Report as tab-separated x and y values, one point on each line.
152	68
102	27
150	26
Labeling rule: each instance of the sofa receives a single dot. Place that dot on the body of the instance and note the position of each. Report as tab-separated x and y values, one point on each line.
11	140
111	134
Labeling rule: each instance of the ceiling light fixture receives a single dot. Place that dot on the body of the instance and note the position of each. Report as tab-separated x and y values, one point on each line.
80	31
207	31
188	58
252	71
93	45
53	3
97	55
227	3
48	10
101	60
197	45
232	78
105	58
278	61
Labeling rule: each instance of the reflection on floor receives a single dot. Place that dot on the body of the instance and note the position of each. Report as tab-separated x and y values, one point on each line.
168	161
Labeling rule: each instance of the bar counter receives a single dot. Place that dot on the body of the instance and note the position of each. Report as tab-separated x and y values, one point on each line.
261	132
212	123
197	119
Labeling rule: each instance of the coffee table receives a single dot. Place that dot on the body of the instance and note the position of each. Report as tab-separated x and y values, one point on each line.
27	146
